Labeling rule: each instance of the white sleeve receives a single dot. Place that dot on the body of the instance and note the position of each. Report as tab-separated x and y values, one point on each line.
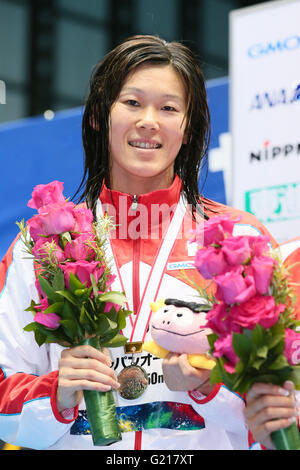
28	414
221	407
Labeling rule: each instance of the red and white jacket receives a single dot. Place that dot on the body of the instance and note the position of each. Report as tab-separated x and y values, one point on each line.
160	418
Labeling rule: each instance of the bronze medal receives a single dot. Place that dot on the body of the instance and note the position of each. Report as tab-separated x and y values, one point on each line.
133	379
133	382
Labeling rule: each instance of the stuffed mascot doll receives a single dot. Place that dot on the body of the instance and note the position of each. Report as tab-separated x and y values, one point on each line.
179	327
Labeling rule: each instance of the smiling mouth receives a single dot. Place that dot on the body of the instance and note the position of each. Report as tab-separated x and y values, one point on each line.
178	334
144	145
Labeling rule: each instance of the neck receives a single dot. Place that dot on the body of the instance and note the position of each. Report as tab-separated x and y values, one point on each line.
140	185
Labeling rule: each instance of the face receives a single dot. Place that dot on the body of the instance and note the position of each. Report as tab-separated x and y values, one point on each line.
180	330
147	128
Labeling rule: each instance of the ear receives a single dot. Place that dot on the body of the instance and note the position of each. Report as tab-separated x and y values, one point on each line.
157	305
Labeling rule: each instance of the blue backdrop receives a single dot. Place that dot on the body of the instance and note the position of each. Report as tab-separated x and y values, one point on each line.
35	151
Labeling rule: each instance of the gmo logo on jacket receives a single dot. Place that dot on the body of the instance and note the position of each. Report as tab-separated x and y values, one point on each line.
290	43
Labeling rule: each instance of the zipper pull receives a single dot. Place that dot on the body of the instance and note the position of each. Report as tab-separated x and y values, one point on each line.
134	203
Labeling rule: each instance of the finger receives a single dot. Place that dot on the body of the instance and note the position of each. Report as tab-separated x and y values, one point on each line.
268	427
72	375
87	351
106	352
87	364
289	385
85	384
265	403
265	389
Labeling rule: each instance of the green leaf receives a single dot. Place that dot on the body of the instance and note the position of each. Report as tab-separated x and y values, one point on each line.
65	238
240	367
30	327
81	292
295	376
121	320
242	346
75	283
262	352
117	341
279	363
31	307
94	285
215	375
57	307
68	295
49	291
258	335
103	324
242	384
58	282
257	364
68	312
114	297
112	315
70	328
212	339
40	337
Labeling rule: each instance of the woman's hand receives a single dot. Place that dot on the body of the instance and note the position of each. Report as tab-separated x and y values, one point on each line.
83	368
180	376
270	408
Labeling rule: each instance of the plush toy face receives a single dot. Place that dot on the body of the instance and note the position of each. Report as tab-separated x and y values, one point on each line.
180	330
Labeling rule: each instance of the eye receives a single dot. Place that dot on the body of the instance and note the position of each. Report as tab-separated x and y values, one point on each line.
132	102
168	108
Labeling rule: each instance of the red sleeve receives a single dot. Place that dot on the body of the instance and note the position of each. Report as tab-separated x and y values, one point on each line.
20	388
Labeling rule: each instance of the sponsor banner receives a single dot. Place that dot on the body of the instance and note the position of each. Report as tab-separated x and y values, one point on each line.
265	114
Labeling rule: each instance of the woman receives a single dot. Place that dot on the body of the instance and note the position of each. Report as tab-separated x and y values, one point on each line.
145	133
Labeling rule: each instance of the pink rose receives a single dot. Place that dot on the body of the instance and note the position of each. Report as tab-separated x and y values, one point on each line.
110	280
52	220
214	229
210	262
44	246
259	309
292	346
110	305
223	348
262	268
259	245
83	270
233	287
45	194
236	250
83	219
50	320
219	320
78	248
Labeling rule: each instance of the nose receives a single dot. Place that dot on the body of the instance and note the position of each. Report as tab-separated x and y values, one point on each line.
148	119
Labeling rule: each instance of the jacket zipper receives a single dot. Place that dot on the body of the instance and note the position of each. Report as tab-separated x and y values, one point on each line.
134	204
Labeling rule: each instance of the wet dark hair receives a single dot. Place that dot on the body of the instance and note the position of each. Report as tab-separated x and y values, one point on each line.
194	306
105	85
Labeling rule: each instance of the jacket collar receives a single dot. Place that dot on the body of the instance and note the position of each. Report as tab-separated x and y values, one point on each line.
119	200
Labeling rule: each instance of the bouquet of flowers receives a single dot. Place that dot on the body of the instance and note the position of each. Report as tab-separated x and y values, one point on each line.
254	333
73	279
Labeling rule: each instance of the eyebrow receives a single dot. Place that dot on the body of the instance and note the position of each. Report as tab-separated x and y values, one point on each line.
140	91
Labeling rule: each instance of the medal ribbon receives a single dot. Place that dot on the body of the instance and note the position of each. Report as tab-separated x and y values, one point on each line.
155	276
